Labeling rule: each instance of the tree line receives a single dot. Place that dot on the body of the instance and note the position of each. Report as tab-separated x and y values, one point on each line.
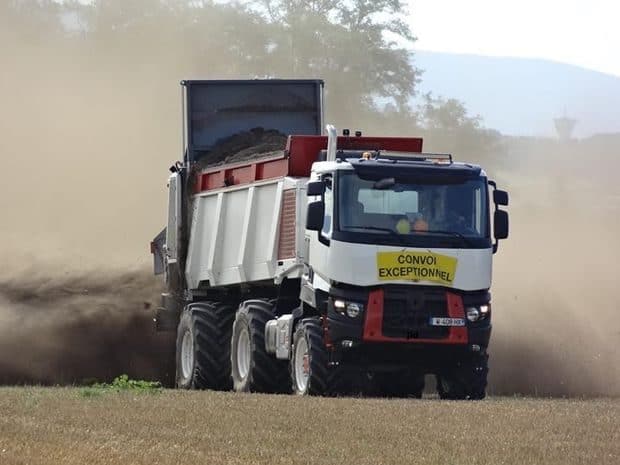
361	48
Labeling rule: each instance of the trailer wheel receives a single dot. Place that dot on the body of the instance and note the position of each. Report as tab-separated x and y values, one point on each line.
253	369
309	369
466	380
203	349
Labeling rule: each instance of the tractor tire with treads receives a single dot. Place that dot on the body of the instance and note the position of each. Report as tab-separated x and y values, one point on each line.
466	380
203	347
310	373
253	369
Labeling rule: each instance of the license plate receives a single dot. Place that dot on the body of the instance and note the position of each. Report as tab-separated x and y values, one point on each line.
447	321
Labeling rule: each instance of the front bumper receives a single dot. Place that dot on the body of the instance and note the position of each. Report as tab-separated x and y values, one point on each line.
397	317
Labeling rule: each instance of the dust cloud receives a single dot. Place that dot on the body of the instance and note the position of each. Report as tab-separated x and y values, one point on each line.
72	328
84	149
85	146
556	329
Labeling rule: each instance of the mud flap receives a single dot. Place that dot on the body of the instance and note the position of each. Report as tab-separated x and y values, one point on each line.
167	315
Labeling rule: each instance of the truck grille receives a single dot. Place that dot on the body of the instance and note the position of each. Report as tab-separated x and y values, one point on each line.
406	313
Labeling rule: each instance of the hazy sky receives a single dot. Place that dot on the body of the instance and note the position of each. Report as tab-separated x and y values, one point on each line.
579	32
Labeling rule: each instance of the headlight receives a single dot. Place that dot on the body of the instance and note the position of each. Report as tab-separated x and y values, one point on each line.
478	313
354	309
473	314
351	309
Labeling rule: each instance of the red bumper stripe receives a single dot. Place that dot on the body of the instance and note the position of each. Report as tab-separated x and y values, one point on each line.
373	325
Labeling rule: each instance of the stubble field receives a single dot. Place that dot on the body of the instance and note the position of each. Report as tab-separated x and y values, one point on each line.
62	425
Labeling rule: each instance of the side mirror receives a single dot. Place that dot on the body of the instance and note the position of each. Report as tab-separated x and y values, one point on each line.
500	198
315	215
500	224
315	188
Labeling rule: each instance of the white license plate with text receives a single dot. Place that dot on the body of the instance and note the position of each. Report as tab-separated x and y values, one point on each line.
435	321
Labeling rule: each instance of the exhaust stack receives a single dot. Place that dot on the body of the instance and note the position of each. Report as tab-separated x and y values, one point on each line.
332	142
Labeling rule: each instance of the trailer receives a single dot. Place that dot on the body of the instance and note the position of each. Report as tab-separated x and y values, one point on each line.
333	264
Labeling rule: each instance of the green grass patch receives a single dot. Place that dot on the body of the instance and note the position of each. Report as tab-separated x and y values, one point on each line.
122	383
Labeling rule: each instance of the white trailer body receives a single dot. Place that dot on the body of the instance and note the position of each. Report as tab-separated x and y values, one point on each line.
247	234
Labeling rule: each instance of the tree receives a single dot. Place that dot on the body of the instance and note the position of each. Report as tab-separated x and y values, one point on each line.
29	22
448	127
357	46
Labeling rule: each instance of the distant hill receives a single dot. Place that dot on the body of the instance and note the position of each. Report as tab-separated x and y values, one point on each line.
520	96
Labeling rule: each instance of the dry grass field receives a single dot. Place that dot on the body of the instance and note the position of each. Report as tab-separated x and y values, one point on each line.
62	425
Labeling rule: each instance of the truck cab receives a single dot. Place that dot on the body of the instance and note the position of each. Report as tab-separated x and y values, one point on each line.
399	261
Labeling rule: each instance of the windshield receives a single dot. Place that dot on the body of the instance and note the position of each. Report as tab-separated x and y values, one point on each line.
413	213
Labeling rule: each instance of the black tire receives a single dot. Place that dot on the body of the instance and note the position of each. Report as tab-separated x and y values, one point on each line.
342	382
318	381
209	326
401	384
466	380
263	372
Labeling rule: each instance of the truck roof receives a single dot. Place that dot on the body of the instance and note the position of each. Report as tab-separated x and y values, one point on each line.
428	165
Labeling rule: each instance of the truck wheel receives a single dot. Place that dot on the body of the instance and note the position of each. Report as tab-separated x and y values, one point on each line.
253	369
203	347
309	369
466	380
401	384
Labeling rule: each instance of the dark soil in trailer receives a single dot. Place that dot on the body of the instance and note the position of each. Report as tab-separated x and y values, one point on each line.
245	146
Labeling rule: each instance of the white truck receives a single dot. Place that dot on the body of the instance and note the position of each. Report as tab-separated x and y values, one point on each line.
338	264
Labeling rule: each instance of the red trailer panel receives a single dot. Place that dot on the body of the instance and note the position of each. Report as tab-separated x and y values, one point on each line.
301	152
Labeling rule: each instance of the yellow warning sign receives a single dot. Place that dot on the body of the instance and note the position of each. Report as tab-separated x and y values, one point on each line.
416	266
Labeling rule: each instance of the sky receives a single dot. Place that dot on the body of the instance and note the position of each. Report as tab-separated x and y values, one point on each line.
580	32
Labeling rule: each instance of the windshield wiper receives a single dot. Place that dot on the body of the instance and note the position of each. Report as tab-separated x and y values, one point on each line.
401	237
377	228
449	233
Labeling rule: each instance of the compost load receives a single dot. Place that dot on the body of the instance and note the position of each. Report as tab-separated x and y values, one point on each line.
245	146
